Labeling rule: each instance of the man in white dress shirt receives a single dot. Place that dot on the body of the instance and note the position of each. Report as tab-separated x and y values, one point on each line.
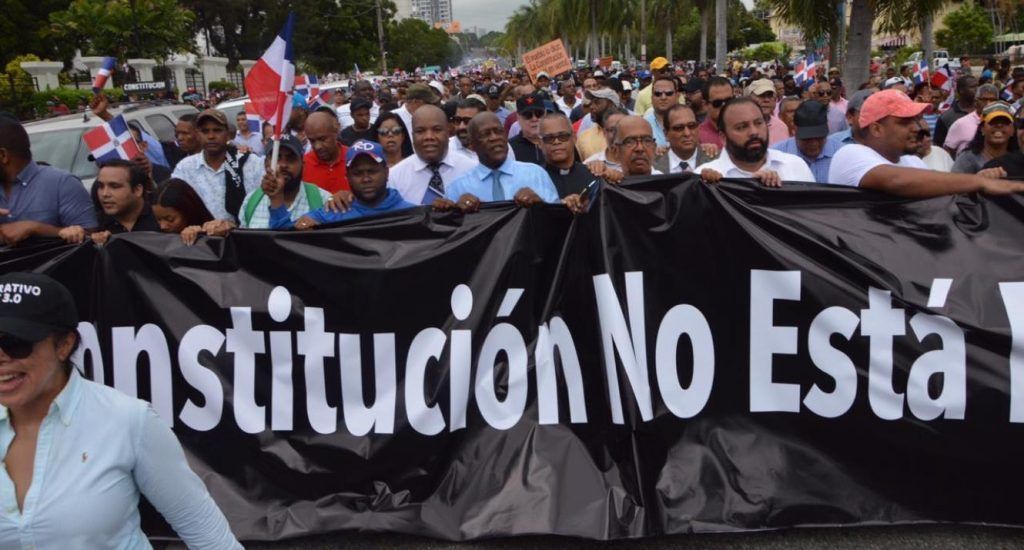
422	177
416	96
746	155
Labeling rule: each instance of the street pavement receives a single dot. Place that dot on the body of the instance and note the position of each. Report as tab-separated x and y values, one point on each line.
860	538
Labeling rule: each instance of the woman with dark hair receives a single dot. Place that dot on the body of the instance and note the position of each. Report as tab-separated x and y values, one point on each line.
79	454
179	209
393	136
995	137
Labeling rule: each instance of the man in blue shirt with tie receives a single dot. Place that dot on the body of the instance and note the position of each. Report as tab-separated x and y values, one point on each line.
498	177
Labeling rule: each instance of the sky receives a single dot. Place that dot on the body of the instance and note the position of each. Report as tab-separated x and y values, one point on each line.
490	15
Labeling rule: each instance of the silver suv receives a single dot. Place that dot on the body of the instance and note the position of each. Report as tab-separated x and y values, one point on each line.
58	141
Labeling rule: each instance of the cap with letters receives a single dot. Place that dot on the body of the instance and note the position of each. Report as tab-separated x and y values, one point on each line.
33	306
364	147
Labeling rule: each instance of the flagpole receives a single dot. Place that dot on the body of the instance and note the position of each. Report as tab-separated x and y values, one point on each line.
274	154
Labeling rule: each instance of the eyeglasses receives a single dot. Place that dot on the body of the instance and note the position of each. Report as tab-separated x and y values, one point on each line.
681	127
528	115
16	348
632	142
663	94
556	138
384	132
460	120
717	104
823	93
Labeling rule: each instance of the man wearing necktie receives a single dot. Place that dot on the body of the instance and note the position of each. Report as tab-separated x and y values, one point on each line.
423	177
498	177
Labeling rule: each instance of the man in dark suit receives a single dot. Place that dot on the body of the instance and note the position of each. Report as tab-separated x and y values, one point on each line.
685	153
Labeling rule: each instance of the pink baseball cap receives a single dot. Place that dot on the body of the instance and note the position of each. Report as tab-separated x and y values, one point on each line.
889	103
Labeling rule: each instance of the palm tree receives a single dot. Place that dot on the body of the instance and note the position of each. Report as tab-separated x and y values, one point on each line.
817	18
721	14
667	14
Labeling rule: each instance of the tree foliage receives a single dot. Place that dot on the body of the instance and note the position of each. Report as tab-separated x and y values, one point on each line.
329	35
21	28
967	30
123	28
413	43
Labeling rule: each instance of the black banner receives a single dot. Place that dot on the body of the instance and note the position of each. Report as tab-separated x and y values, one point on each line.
683	358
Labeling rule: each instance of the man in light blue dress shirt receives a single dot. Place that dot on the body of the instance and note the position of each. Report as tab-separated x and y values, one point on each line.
812	143
498	177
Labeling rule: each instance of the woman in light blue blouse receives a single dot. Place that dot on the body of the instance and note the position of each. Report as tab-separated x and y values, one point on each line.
77	454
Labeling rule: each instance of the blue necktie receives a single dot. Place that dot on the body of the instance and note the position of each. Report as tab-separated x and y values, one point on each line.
497	193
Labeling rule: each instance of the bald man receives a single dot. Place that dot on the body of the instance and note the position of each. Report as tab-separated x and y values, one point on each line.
325	162
634	145
424	176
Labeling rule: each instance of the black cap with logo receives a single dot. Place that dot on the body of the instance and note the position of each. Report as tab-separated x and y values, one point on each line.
33	306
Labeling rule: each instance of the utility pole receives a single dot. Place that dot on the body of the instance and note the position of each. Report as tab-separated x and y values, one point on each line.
643	33
380	40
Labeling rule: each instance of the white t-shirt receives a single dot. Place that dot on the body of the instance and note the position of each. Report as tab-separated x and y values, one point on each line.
938	159
789	167
851	163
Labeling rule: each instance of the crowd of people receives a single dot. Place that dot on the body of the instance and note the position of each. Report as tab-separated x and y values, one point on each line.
497	135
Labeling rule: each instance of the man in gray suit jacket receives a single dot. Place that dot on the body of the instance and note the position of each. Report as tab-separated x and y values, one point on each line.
685	153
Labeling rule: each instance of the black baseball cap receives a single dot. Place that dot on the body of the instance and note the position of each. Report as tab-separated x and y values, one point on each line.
532	102
293	144
811	119
34	306
693	85
360	103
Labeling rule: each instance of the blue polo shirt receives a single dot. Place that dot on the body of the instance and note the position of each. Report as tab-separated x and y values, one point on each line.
819	166
48	195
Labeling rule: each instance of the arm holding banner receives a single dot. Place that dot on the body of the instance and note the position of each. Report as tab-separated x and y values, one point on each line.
919	183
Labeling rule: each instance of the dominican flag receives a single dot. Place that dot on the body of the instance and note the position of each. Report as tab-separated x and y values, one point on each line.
252	118
104	72
942	78
805	70
111	140
320	100
271	79
301	86
920	72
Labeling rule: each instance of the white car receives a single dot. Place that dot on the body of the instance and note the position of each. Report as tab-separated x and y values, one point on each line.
58	141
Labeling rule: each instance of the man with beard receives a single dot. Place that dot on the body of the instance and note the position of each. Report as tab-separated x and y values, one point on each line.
684	152
526	145
324	164
498	177
282	194
745	132
368	175
120	191
884	159
569	176
424	176
633	144
465	110
219	177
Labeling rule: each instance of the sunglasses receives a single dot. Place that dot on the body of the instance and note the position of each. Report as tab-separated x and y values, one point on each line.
528	115
717	104
16	348
556	138
461	120
384	132
663	94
